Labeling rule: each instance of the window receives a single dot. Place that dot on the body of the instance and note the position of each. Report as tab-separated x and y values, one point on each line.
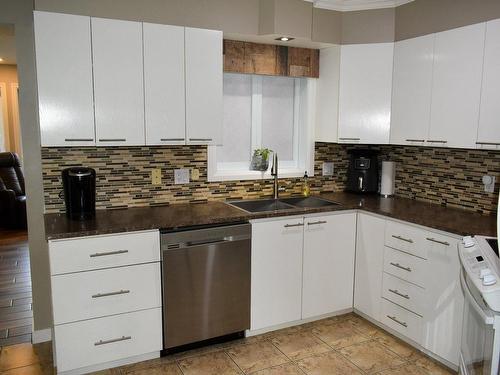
264	111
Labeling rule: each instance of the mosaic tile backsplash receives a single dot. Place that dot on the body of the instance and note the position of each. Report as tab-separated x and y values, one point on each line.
450	177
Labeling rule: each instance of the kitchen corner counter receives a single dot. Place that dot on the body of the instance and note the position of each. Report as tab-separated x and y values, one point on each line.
183	215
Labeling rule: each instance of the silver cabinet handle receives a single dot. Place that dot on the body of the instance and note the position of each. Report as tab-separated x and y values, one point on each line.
393	318
78	139
171	139
349	139
415	140
104	342
99	295
200	139
112	140
294	225
108	253
409	240
437	241
488	143
435	141
395	291
317	222
397	265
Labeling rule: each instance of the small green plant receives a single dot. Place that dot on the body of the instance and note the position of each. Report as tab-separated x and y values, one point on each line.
263	153
260	159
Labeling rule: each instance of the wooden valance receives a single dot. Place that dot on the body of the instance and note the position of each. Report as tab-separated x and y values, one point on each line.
269	59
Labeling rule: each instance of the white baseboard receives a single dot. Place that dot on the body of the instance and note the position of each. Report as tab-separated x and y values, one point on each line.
42	335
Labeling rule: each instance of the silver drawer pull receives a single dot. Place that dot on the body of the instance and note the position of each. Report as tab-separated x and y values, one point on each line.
436	141
437	241
200	139
78	139
104	342
488	143
394	319
403	239
171	139
400	266
112	140
395	291
294	225
108	253
415	140
99	295
348	139
317	222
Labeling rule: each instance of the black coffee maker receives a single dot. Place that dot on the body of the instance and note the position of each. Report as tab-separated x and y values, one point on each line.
362	175
79	192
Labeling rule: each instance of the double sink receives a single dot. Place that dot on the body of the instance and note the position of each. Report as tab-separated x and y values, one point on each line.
267	205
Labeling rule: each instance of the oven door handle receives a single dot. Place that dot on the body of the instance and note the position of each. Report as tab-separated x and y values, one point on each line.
486	316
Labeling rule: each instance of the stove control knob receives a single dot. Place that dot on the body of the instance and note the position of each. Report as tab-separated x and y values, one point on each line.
489	280
484	272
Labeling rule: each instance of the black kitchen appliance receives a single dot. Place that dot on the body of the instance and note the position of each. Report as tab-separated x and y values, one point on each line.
362	175
79	192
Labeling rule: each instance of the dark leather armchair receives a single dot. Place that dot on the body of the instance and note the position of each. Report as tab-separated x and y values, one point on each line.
12	193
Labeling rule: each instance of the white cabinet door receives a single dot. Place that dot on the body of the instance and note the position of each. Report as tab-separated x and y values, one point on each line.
327	95
118	82
369	265
488	135
204	67
276	295
445	301
64	74
328	270
456	88
411	90
365	93
164	97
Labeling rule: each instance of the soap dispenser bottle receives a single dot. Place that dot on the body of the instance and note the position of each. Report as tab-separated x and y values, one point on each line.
306	190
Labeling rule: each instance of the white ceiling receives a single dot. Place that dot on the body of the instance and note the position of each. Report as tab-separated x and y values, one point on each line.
350	5
7	44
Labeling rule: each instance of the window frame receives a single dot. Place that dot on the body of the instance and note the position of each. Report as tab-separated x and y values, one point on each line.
303	138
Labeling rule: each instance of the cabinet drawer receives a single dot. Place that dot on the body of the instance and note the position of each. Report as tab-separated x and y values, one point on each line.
402	320
405	266
107	339
90	253
105	292
403	293
406	238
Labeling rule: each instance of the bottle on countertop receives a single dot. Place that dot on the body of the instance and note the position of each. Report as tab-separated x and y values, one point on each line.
306	190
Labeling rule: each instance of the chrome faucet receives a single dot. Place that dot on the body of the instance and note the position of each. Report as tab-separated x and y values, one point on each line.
274	173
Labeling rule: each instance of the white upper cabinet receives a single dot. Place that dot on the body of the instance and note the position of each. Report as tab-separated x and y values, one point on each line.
204	69
365	93
456	89
164	96
118	82
64	74
328	269
411	90
488	135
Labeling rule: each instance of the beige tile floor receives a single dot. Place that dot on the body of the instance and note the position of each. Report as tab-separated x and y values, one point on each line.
341	345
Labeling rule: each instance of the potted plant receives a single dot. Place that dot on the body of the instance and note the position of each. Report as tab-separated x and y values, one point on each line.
260	159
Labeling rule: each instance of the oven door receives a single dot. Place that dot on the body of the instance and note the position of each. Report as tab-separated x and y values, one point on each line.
478	334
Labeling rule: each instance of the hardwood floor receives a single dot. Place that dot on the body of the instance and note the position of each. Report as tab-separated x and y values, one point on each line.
15	288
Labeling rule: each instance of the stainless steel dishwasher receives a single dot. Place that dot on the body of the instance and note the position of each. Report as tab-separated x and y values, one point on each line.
206	283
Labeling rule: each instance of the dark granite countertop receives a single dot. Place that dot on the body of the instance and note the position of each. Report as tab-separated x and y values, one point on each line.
177	216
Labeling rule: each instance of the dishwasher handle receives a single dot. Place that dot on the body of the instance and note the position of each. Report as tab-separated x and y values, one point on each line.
206	242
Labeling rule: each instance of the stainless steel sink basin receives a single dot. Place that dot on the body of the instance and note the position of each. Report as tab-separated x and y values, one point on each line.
266	205
308	202
262	205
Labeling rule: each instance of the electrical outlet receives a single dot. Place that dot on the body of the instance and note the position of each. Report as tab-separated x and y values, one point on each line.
181	176
327	169
489	183
156	176
195	174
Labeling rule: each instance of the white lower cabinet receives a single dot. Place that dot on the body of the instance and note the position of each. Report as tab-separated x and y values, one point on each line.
104	317
328	265
302	267
369	264
401	320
